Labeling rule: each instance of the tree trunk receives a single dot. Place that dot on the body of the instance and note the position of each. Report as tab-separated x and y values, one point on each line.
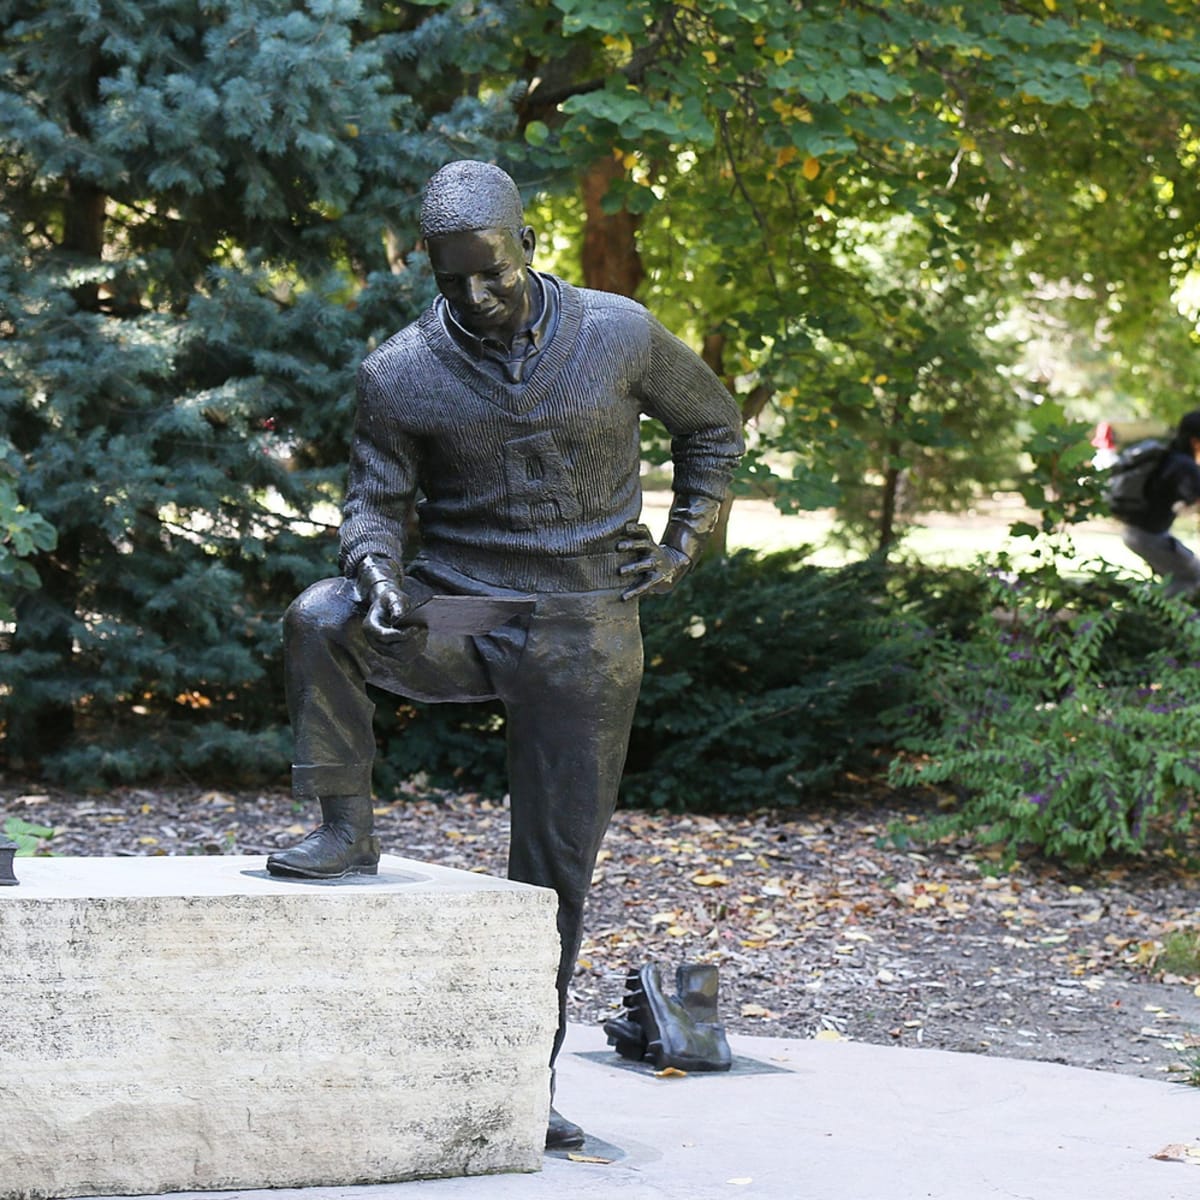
889	501
610	258
83	234
887	512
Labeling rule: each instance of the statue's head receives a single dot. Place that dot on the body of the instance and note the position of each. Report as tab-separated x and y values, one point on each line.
479	246
466	196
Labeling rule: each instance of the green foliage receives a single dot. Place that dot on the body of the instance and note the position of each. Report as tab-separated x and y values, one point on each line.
31	839
870	211
207	219
1047	720
22	533
440	746
1061	486
1188	1067
1180	954
765	679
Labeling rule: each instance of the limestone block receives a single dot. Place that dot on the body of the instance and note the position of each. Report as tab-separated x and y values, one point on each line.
180	1024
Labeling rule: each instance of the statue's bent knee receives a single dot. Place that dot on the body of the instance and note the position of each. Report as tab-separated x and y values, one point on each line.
320	610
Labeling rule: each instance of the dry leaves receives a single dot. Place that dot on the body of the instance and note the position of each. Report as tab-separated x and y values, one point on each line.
817	920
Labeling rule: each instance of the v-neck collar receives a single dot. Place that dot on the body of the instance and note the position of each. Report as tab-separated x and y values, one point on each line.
519	398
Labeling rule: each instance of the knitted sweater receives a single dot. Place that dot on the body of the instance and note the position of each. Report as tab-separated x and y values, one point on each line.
529	485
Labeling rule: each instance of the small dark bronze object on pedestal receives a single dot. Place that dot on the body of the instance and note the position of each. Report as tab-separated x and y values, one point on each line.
680	1031
8	848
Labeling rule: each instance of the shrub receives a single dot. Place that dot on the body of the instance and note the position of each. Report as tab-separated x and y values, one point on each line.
765	678
1048	721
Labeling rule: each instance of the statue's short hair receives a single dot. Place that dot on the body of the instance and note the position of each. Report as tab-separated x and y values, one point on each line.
466	196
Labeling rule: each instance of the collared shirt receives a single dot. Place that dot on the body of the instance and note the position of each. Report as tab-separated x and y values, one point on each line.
516	361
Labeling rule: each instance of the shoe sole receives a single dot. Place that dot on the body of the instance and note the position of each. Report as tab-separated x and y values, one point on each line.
299	872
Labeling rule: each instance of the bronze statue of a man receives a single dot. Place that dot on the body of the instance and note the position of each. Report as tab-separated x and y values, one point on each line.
508	413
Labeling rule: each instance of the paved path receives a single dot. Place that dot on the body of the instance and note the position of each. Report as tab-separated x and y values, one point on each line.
813	1120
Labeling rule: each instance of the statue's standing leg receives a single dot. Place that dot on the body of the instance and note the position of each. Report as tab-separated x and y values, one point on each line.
570	709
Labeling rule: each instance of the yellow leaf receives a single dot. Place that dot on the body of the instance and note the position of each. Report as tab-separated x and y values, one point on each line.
703	880
670	1073
828	1035
1051	5
676	931
786	155
831	197
811	168
756	1010
147	841
588	1158
351	129
710	57
783	56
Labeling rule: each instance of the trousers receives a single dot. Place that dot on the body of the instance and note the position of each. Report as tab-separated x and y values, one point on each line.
1167	556
568	675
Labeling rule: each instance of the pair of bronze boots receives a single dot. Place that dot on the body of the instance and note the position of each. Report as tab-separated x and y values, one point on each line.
680	1031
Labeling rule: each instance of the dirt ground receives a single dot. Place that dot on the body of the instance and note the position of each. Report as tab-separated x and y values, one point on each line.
821	921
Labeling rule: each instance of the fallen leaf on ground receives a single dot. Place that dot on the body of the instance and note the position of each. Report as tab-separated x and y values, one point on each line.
1179	1152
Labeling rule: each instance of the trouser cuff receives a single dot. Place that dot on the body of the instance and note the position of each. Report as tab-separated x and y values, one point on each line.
311	781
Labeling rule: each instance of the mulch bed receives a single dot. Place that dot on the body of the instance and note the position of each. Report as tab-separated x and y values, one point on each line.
821	924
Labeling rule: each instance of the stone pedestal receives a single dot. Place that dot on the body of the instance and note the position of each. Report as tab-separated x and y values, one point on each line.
179	1024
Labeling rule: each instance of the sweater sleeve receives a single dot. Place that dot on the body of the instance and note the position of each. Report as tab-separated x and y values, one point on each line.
382	483
680	390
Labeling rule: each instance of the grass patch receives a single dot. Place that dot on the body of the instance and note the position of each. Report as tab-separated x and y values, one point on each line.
1180	954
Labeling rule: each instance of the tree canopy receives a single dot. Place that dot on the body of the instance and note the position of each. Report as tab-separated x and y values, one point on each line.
896	227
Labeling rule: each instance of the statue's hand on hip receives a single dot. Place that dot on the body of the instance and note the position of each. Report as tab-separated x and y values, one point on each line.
659	567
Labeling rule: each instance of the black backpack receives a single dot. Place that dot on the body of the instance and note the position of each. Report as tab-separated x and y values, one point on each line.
1125	489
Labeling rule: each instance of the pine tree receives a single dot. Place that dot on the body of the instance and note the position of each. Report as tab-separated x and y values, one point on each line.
207	216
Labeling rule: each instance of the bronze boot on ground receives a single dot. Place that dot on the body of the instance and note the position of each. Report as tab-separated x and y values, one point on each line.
679	1031
343	844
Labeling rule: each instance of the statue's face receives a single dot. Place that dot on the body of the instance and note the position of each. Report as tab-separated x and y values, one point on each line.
484	277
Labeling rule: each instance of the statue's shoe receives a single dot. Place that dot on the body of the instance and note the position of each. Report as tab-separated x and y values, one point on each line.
562	1134
342	845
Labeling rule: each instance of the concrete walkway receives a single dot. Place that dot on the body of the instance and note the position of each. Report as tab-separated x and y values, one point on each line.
815	1120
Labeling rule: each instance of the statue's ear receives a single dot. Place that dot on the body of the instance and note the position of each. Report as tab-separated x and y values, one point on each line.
528	243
